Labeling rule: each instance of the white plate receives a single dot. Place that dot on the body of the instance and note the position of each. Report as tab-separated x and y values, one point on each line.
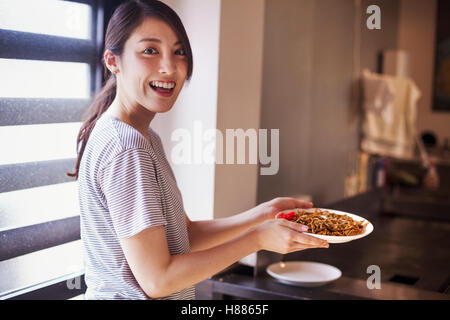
303	273
338	239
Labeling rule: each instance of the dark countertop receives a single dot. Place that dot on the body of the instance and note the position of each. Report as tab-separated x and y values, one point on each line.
234	285
413	255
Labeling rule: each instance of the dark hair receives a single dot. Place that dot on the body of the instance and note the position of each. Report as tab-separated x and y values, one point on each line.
125	19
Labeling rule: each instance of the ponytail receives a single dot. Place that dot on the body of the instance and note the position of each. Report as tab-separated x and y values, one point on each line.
100	104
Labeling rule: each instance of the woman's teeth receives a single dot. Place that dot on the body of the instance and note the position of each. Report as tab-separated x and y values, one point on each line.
165	85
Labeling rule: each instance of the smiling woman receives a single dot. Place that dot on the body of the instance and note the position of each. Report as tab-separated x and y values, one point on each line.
154	62
138	241
148	55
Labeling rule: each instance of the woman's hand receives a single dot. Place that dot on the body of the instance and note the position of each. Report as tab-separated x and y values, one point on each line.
268	210
283	236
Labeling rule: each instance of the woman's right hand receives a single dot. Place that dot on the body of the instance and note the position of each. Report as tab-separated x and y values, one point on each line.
284	236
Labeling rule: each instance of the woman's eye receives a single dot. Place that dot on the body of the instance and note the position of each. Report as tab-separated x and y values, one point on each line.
180	52
150	51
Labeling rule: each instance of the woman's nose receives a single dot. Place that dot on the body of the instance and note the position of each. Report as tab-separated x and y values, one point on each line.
167	65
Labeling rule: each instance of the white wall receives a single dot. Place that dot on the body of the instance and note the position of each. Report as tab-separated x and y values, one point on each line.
416	34
197	102
239	98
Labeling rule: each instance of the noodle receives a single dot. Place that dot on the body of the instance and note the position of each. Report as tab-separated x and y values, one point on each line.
330	224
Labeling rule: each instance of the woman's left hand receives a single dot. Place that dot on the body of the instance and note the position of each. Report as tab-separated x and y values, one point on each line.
268	210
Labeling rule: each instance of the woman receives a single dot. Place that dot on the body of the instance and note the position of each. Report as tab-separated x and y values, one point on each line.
138	241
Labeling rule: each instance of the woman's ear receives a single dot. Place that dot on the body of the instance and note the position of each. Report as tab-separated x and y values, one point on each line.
111	61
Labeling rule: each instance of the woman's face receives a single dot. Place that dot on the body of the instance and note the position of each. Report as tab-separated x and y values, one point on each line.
153	67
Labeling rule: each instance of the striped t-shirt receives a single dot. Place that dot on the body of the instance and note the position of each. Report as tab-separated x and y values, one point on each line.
125	186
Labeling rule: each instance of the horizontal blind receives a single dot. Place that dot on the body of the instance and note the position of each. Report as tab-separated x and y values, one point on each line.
50	53
49	59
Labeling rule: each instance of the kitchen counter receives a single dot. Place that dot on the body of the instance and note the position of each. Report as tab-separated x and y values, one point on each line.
413	255
235	285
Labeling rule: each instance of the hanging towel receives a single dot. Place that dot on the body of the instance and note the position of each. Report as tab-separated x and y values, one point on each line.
378	95
390	112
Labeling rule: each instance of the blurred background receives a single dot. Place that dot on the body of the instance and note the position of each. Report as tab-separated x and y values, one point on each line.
357	108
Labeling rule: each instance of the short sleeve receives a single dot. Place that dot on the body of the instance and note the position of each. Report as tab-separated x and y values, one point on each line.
132	194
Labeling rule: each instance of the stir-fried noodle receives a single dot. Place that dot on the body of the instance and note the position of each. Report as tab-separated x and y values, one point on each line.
330	224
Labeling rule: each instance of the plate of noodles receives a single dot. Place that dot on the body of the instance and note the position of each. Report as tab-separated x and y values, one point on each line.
331	225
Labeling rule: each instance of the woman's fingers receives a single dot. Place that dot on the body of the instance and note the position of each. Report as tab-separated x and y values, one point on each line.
294	225
285	203
298	236
303	204
284	236
311	241
298	247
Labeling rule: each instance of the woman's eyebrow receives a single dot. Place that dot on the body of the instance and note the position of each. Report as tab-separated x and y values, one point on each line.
157	41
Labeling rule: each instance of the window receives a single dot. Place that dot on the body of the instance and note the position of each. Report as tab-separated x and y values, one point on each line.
49	61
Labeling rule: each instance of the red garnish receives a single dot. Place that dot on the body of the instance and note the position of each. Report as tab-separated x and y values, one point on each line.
288	216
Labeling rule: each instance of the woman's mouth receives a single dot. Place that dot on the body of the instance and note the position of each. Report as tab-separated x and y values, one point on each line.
163	88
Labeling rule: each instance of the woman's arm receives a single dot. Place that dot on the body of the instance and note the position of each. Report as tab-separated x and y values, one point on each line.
159	274
206	234
209	233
